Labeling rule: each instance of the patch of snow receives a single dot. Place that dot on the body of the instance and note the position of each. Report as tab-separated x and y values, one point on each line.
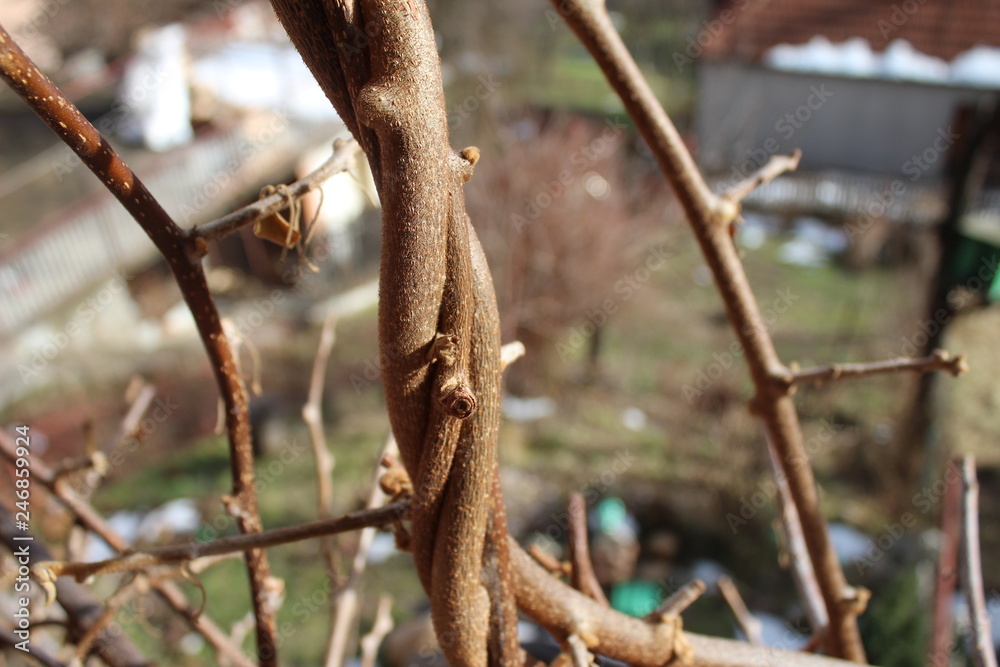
901	61
709	572
177	517
979	66
849	542
383	547
778	632
633	419
813	243
851	58
527	409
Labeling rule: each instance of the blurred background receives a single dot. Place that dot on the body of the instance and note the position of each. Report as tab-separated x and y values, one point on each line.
884	243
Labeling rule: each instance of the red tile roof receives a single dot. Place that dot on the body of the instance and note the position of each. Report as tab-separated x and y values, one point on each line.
935	27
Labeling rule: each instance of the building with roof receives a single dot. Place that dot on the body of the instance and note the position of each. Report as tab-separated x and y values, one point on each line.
877	95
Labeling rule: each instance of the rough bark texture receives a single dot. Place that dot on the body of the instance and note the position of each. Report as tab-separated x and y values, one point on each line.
439	338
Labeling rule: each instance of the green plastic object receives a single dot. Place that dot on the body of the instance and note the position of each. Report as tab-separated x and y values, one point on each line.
611	515
636	598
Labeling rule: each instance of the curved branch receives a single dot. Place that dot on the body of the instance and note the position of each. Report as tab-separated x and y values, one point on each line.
90	519
939	361
344	151
183	252
174	554
564	612
709	217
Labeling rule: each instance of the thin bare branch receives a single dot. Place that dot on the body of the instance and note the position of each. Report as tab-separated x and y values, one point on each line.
83	611
111	607
749	625
802	570
183	252
344	154
940	360
774	167
563	611
983	654
548	562
679	601
345	602
578	652
134	561
583	577
96	462
380	628
946	581
312	415
131	421
88	517
710	217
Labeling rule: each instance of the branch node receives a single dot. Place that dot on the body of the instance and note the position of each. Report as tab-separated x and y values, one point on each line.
467	166
855	600
459	402
671	608
444	348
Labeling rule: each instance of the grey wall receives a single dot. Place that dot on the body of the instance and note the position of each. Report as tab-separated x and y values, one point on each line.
746	112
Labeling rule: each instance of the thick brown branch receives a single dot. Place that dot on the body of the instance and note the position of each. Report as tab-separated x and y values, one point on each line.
344	152
563	612
971	569
133	561
183	252
940	360
710	217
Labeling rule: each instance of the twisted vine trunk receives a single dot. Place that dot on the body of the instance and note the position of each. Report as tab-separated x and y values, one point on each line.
439	345
439	336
